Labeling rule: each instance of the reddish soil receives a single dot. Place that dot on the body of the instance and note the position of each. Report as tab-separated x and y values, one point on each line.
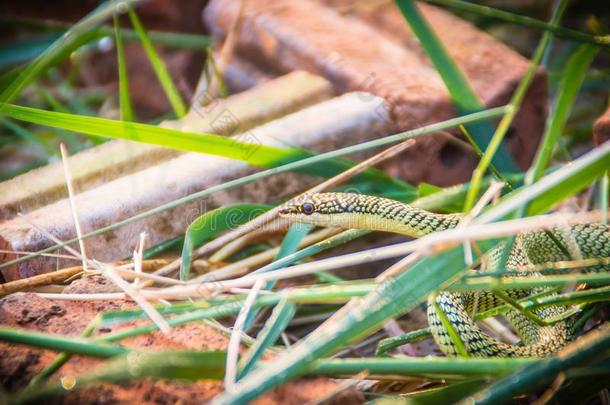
21	363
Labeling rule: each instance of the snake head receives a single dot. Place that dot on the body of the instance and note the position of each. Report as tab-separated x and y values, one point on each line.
319	209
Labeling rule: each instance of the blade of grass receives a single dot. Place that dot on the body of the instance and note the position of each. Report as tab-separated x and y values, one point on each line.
290	244
168	365
462	95
569	86
525	21
125	99
278	321
514	104
252	153
171	92
421	366
172	244
72	345
385	345
512	283
169	39
210	224
604	195
453	334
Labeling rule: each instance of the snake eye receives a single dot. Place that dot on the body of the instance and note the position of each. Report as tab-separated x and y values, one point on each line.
307	208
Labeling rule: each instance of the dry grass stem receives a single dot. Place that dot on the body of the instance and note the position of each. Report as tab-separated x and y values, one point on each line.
235	339
79	232
241	267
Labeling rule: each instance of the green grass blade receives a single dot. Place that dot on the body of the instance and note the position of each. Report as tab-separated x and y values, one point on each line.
515	104
525	21
168	365
460	348
170	39
570	84
252	153
159	67
604	195
125	99
290	244
414	366
168	245
210	224
72	345
278	321
554	187
385	345
462	95
33	115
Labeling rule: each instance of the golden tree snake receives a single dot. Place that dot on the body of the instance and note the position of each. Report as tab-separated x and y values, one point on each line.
347	210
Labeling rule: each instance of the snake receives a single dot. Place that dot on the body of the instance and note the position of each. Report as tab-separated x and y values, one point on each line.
450	309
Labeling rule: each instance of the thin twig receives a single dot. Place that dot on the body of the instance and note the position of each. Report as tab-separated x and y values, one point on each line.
245	240
68	176
23	252
241	267
138	257
492	191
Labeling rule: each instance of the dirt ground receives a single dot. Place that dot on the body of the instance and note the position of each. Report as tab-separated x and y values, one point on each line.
21	363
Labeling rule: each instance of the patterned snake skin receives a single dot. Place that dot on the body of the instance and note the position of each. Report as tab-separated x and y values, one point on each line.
379	214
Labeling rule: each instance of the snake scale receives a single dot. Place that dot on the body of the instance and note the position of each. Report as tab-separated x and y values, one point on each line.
347	210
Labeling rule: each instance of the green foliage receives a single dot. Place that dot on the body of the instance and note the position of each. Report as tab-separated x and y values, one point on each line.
395	296
79	34
185	365
210	224
171	92
570	84
278	321
124	97
369	304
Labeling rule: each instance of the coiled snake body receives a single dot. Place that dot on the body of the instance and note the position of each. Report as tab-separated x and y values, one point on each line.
346	210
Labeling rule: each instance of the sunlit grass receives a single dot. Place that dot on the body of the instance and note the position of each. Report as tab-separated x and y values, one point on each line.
438	261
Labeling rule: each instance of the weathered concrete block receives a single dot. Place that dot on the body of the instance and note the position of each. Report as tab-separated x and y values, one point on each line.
117	158
339	122
375	51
